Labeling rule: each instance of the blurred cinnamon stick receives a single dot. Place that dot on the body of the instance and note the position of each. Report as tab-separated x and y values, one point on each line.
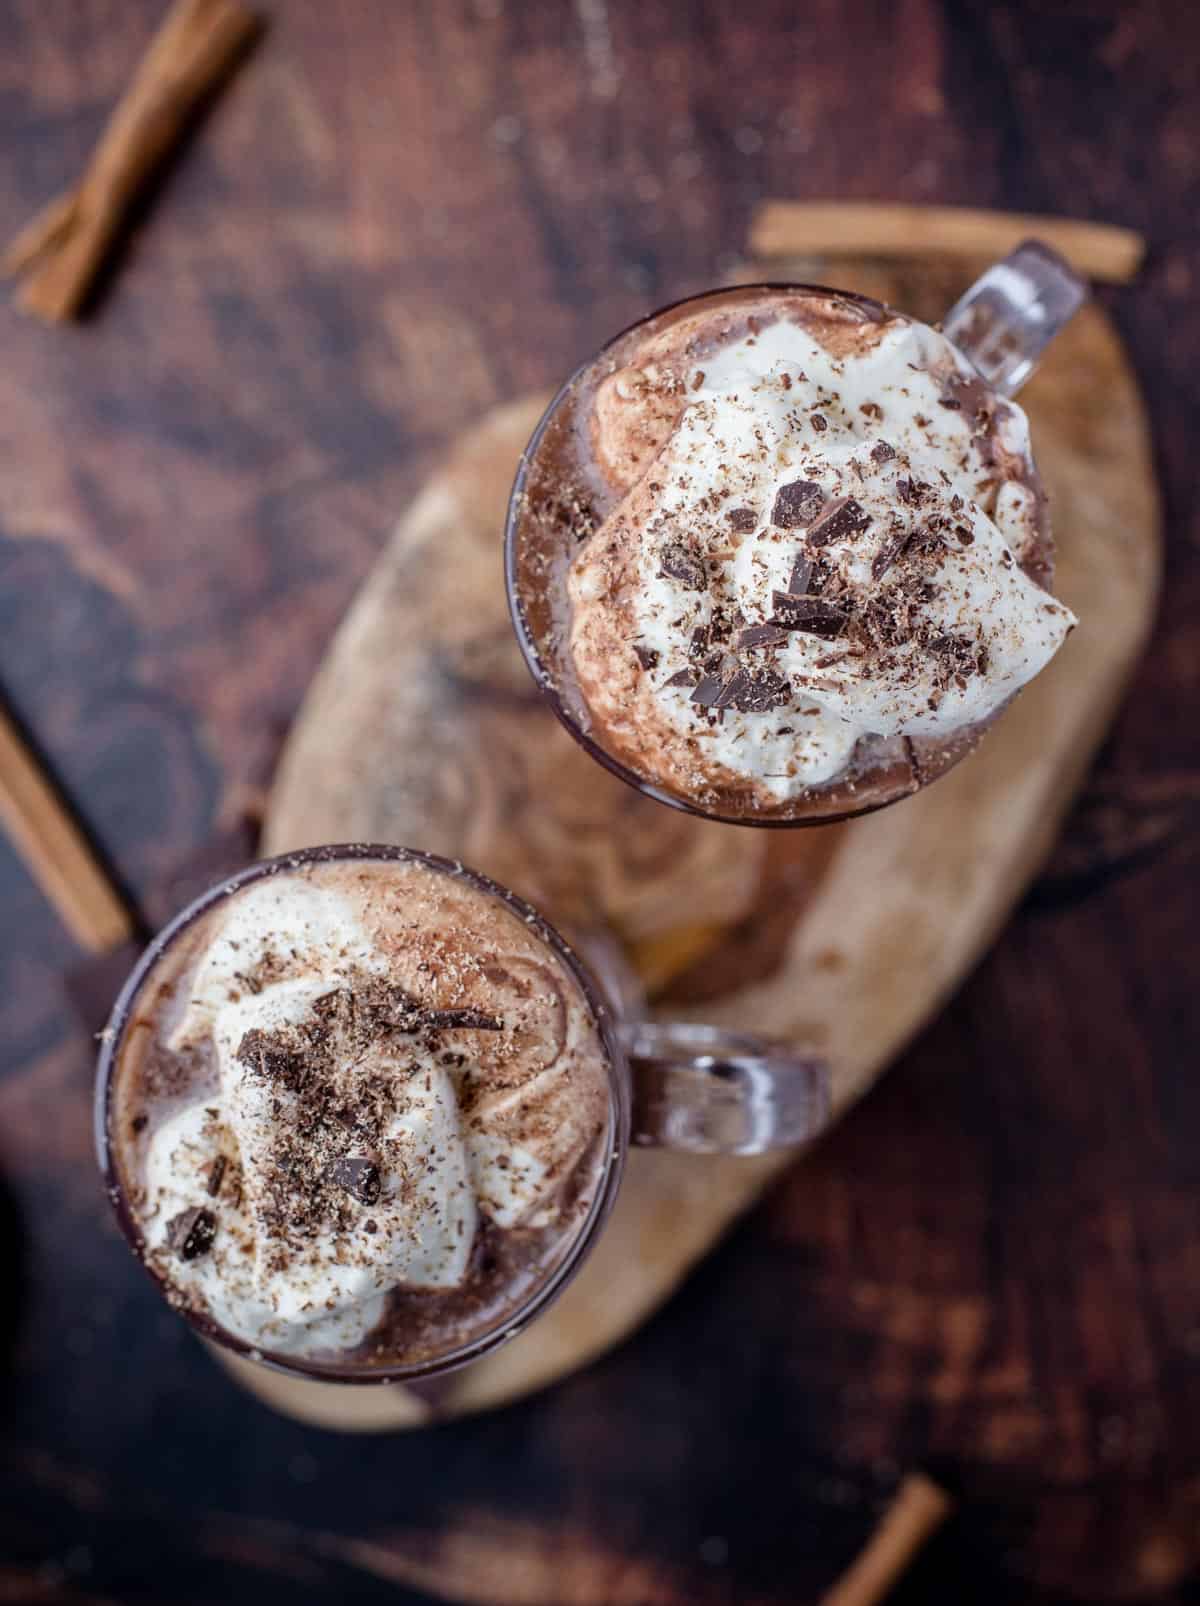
919	1509
61	251
800	228
54	849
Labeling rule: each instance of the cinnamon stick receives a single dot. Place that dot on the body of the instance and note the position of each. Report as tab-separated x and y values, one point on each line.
55	850
63	248
919	1509
820	228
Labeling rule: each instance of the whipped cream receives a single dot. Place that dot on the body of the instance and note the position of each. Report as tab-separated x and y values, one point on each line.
878	486
477	1117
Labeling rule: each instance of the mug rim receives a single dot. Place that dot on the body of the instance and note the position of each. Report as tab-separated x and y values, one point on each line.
547	684
616	1137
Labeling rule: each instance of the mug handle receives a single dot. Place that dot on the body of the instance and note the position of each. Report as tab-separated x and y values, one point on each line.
1012	312
709	1091
700	1088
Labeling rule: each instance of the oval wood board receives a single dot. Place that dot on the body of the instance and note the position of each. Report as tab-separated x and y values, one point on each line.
422	727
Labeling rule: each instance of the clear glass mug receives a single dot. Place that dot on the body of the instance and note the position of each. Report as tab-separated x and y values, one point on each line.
1002	324
685	1087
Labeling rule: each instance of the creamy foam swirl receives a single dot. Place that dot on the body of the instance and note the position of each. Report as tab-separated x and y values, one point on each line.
426	1043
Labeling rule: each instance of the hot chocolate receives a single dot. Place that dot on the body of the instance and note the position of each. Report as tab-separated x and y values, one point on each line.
358	1113
782	554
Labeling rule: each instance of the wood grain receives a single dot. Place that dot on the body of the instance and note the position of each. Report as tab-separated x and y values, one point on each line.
864	228
992	1266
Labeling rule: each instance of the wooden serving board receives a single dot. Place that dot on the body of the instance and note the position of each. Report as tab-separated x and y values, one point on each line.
423	728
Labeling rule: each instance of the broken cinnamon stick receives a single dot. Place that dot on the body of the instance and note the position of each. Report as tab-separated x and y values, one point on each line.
54	849
818	228
919	1509
61	251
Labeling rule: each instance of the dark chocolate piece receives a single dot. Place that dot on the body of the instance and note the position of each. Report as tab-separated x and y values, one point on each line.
473	1020
410	1015
797	504
881	452
355	1175
646	656
813	615
191	1233
911	491
757	691
709	692
680	562
801	574
742	519
262	1052
761	636
894	546
841	521
685	677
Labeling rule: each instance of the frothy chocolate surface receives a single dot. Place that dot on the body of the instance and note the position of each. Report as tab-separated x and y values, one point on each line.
782	553
359	1114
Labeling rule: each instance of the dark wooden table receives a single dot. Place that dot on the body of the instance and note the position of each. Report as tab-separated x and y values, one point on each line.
400	214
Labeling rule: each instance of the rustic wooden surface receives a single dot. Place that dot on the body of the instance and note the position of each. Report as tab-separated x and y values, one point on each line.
398	217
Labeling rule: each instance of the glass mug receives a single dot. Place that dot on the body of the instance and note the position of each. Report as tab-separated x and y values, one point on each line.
1001	325
685	1087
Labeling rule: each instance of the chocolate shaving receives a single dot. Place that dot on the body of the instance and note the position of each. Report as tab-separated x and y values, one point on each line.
911	491
355	1175
190	1234
820	422
750	691
801	574
871	410
646	656
139	1123
757	691
742	519
215	1175
797	504
951	402
812	615
258	1051
408	1014
893	547
881	452
680	562
841	521
761	636
463	1020
709	692
965	536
